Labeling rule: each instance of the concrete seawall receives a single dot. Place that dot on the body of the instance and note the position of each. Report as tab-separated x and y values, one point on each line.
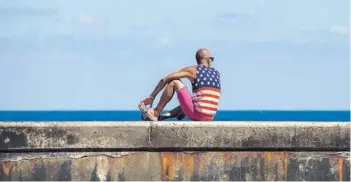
101	151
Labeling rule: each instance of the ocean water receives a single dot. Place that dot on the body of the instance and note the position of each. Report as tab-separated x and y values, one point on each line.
315	116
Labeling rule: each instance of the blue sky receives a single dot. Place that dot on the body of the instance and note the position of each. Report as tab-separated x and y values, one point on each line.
102	55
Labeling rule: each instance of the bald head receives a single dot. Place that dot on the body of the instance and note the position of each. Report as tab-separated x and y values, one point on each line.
202	54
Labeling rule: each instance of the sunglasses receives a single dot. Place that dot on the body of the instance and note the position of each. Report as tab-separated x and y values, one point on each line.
211	58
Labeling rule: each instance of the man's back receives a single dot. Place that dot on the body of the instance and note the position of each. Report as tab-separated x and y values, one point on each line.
206	90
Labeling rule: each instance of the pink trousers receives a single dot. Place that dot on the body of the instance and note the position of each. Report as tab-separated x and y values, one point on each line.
187	105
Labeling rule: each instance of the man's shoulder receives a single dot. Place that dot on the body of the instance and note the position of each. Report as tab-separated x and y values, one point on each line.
189	68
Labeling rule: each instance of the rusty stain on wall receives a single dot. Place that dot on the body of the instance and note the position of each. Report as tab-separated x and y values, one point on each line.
340	167
223	166
5	168
285	163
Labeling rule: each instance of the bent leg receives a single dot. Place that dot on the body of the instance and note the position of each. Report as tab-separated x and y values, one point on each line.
187	105
184	97
174	113
167	95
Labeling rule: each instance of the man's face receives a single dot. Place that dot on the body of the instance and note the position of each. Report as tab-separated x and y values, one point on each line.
210	60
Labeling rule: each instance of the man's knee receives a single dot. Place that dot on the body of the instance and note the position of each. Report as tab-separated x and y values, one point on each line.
177	84
174	82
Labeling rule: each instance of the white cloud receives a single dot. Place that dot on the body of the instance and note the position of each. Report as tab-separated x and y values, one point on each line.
164	40
88	19
340	29
52	56
26	11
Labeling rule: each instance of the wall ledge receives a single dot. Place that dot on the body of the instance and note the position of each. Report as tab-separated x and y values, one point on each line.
297	136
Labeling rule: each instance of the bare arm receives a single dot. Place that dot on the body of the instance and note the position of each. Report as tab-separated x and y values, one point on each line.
186	72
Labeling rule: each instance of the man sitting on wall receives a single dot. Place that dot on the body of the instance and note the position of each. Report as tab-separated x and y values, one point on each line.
206	88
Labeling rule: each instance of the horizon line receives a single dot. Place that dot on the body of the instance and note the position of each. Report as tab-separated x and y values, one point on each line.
240	110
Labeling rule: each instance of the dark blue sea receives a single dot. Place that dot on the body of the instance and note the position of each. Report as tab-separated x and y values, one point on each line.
315	116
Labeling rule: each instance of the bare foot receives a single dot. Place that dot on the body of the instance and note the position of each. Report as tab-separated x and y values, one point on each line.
152	112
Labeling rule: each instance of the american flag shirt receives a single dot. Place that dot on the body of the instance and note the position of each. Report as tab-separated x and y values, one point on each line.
206	90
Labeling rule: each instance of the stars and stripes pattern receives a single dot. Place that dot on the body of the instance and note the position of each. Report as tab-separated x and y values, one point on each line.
206	90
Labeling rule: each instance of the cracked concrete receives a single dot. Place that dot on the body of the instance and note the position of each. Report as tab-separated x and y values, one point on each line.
204	166
70	155
163	166
240	135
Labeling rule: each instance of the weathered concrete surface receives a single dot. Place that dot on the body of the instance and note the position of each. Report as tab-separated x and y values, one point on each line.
137	166
248	135
22	135
235	135
264	165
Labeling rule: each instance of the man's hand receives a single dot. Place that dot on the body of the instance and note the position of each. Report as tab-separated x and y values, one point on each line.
147	101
